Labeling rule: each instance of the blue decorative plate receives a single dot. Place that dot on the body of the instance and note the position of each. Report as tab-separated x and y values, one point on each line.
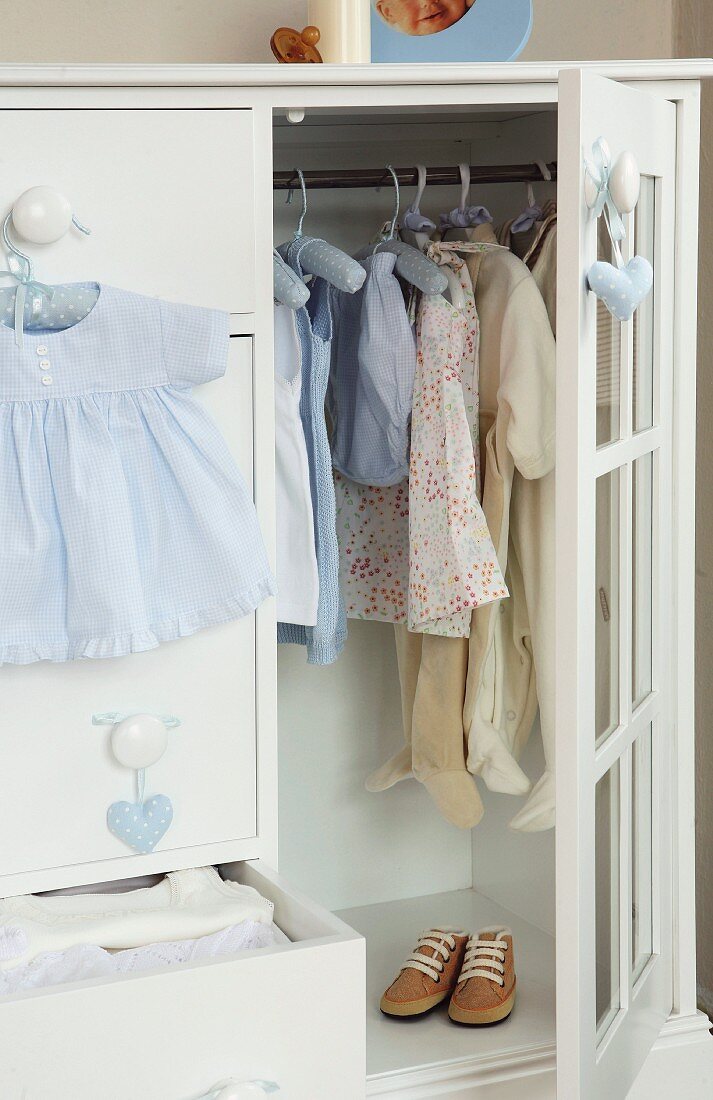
449	30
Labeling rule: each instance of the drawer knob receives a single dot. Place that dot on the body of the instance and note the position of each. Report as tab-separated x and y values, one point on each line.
43	215
139	741
240	1090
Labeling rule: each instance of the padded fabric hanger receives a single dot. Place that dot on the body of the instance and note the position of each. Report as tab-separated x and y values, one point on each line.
534	212
414	231
322	259
411	264
288	288
464	217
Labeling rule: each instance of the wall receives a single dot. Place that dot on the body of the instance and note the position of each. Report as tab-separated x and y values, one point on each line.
694	38
144	30
239	30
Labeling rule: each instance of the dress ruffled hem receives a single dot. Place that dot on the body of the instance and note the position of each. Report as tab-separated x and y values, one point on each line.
145	638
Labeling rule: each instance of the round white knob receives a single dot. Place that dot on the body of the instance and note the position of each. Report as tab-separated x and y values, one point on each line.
139	741
243	1090
42	215
625	182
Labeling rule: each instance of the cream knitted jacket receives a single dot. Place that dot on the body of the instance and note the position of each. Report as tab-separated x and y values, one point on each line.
511	659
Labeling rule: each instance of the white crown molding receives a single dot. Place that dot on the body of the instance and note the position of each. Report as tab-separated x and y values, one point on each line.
246	76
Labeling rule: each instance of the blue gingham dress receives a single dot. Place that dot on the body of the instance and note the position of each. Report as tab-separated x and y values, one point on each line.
124	521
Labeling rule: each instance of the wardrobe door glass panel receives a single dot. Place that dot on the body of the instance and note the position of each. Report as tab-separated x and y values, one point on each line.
608	355
607	605
643	361
642	578
642	852
606	842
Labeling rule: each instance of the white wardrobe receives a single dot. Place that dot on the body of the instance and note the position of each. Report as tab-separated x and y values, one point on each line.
172	167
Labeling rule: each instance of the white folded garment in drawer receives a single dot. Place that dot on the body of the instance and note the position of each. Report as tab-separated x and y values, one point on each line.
87	961
185	905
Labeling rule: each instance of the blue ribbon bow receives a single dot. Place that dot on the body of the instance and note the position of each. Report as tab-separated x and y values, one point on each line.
465	217
20	268
599	172
527	219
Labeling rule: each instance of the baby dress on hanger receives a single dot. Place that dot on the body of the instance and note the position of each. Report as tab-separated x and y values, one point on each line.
371	380
369	402
125	522
325	640
453	566
297	576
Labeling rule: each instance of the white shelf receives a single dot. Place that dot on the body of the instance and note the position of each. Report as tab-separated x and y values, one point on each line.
402	1053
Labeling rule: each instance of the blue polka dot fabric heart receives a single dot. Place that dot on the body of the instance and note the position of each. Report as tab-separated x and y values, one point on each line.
622	289
141	825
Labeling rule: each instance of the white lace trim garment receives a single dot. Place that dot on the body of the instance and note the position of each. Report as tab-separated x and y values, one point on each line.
184	905
87	961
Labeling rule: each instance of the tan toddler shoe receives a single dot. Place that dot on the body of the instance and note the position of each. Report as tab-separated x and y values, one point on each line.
486	986
429	975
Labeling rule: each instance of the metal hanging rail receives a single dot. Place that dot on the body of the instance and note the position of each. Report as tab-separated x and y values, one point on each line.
381	177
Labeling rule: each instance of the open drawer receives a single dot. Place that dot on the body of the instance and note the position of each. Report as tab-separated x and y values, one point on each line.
293	1014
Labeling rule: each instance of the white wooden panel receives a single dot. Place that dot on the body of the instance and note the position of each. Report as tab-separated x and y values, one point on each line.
293	1015
59	776
592	107
405	1060
337	725
168	195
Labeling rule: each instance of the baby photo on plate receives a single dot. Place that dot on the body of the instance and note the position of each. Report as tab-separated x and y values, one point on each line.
422	16
449	30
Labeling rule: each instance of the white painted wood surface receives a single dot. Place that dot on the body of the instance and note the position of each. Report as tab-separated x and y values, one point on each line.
167	194
328	76
592	107
292	1014
283	992
53	812
402	1055
684	547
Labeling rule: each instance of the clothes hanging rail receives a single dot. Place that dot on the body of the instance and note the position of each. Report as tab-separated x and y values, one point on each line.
381	177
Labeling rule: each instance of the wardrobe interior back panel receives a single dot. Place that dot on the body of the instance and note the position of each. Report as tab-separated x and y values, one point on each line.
344	845
61	777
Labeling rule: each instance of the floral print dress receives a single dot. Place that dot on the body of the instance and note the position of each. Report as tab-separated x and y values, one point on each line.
372	529
453	567
419	553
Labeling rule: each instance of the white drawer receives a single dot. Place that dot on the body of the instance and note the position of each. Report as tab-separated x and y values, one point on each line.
168	195
294	1015
59	775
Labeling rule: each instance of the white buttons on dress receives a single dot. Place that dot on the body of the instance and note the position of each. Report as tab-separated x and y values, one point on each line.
44	364
46	380
41	349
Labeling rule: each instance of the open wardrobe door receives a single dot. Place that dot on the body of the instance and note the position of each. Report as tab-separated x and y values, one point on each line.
615	596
